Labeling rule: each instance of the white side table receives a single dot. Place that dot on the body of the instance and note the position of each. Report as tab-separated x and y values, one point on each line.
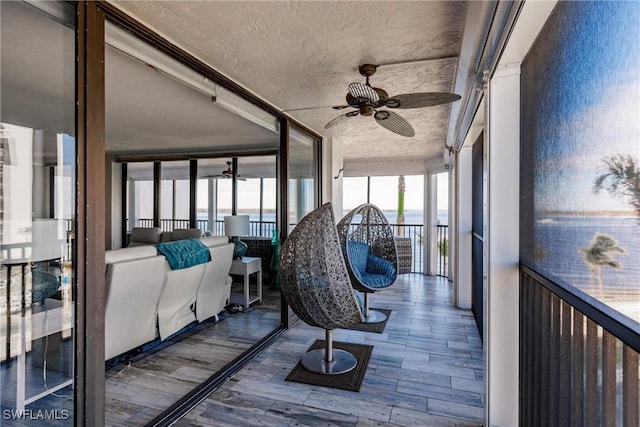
245	267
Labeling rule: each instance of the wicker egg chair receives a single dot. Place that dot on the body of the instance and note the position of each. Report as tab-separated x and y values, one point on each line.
370	253
315	284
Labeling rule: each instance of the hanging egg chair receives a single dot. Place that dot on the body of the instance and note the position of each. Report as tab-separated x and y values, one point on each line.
370	253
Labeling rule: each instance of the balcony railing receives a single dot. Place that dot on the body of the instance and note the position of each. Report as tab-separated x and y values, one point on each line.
578	358
414	232
442	241
256	228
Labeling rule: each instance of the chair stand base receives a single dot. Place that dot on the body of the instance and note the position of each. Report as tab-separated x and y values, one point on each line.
342	362
374	317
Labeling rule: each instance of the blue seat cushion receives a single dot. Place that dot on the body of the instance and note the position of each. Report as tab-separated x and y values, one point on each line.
375	280
358	253
371	270
377	265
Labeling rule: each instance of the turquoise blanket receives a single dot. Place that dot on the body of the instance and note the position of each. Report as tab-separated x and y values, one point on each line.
184	253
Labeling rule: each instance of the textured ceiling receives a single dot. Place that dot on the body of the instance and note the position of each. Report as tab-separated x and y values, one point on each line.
147	111
304	54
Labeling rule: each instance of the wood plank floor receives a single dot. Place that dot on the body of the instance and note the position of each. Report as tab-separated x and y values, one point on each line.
138	391
427	369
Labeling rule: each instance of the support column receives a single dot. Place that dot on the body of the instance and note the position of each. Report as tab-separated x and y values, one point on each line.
430	246
334	167
39	195
134	213
113	179
501	246
451	230
462	289
212	185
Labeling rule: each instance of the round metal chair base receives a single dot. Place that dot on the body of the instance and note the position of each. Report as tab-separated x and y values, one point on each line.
374	317
343	361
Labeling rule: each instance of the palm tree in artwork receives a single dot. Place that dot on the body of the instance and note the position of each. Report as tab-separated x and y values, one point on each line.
622	178
599	254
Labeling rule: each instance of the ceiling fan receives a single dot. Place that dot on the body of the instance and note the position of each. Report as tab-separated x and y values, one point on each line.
228	174
368	100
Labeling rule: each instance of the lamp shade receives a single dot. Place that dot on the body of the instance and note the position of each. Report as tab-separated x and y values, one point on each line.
236	225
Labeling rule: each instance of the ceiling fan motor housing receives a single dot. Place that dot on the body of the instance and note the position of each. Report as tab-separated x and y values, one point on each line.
367	70
367	110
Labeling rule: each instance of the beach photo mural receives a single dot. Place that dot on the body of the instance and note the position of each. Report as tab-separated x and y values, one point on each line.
580	150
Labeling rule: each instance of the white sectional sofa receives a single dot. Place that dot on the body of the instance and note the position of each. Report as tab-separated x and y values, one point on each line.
147	300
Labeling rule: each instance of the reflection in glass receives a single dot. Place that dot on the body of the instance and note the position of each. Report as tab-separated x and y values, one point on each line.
139	195
37	208
213	192
302	176
191	331
174	195
257	193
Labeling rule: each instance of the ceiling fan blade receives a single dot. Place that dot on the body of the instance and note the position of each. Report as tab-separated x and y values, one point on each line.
421	99
213	176
240	177
362	91
394	122
341	107
341	119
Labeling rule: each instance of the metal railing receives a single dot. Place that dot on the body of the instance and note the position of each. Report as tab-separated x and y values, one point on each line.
256	228
415	233
442	242
578	358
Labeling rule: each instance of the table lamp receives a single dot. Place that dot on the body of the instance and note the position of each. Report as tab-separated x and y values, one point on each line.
235	226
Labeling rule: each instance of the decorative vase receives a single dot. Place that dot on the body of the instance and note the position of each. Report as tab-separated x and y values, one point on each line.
239	248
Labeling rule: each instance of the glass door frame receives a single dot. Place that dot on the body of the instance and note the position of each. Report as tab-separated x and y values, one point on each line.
89	391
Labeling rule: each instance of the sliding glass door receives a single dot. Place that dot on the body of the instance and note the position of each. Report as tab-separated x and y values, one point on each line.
37	210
